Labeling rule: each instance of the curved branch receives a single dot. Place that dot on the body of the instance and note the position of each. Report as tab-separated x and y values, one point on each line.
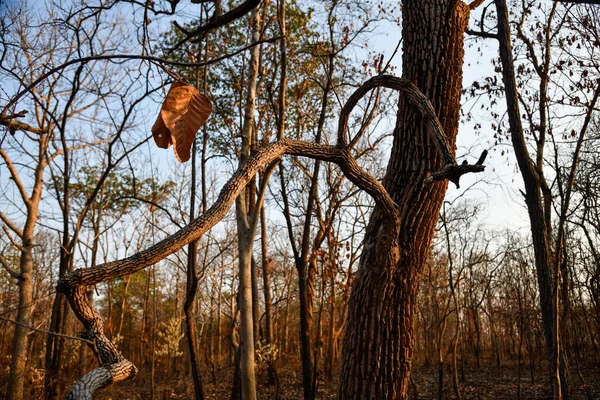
226	199
418	99
452	171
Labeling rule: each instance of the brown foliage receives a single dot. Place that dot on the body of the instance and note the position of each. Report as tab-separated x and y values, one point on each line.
183	112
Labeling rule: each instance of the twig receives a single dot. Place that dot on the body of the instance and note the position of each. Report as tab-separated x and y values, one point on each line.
84	60
48	332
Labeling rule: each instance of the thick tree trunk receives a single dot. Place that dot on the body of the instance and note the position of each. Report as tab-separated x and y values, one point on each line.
378	342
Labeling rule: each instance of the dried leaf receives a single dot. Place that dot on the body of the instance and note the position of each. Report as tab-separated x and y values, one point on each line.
161	134
183	112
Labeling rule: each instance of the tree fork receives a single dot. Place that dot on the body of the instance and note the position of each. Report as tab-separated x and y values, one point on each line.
378	342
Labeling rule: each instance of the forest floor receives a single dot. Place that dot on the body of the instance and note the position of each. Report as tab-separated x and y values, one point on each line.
486	383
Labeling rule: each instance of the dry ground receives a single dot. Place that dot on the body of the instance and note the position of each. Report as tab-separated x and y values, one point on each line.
487	383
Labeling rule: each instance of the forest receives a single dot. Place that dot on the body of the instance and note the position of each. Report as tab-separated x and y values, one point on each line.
284	199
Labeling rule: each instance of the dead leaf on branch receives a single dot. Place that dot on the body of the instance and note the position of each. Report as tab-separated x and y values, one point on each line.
183	112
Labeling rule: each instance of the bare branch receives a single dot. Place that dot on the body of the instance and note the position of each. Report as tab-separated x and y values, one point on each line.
48	332
418	99
15	177
79	147
482	34
8	269
219	20
12	240
10	224
13	125
152	204
453	172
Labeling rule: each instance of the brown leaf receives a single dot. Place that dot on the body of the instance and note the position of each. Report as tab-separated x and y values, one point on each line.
161	134
183	112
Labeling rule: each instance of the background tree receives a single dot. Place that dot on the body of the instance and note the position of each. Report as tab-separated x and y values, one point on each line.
542	85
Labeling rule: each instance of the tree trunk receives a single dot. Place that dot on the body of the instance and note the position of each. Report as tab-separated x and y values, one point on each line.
18	361
331	339
378	343
534	201
246	319
219	313
266	263
60	310
246	229
190	293
255	301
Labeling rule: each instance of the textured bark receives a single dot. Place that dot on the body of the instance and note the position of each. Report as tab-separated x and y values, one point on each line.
113	366
378	342
99	378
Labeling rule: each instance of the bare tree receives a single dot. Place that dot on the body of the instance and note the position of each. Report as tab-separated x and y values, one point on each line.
538	193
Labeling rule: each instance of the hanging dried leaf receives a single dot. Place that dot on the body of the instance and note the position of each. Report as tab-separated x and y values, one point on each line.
161	134
183	112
